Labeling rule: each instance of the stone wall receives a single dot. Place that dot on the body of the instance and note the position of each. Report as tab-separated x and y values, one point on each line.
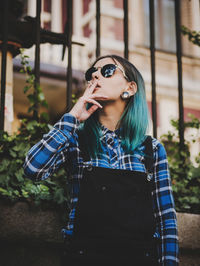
189	239
30	236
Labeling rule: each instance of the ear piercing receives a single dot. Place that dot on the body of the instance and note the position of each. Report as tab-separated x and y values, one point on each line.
125	95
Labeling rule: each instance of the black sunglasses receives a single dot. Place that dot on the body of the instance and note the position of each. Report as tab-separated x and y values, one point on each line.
107	71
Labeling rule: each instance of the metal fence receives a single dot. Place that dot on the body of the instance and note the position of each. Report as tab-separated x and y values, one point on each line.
66	40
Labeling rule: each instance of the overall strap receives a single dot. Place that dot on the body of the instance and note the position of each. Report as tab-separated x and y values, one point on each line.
148	151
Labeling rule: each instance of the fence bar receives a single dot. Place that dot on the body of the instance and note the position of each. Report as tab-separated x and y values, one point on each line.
179	66
125	4
98	22
153	73
4	61
37	57
69	66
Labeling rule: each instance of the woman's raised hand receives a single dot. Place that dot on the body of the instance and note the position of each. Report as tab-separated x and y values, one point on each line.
79	109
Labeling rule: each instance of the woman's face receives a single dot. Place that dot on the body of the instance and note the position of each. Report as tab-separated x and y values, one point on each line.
112	86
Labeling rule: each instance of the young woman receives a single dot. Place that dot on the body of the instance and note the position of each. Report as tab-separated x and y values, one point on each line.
122	208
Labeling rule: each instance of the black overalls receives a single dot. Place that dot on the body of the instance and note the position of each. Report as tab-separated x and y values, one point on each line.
114	221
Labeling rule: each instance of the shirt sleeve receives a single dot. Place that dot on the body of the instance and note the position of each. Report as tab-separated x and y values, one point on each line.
165	209
52	150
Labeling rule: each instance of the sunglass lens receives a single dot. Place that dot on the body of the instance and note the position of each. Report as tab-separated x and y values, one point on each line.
88	73
108	70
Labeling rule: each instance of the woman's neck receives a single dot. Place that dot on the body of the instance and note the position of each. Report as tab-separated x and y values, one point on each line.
110	115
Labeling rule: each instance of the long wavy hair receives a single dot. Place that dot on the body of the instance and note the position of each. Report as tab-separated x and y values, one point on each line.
134	121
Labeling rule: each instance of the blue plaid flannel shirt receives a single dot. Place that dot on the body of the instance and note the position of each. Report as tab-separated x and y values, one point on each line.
60	146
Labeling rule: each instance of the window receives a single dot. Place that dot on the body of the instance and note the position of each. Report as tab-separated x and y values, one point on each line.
165	38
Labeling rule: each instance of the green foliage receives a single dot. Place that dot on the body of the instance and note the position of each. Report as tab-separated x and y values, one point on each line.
185	175
193	36
13	185
33	91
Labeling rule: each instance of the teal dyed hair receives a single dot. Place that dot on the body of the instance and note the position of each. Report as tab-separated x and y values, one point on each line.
133	122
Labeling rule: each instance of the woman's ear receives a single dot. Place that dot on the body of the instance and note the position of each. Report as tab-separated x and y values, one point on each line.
132	88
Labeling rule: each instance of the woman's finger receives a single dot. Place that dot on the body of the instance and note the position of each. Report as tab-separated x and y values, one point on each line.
94	102
98	97
92	109
90	88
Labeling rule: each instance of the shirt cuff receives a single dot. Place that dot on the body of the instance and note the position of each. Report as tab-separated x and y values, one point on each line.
68	124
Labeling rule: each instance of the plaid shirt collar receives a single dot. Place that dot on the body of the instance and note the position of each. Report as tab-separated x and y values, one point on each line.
108	134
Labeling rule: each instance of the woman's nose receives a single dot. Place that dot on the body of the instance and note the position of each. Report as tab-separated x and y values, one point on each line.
95	75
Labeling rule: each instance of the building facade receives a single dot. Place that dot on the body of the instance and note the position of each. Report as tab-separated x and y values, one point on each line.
53	68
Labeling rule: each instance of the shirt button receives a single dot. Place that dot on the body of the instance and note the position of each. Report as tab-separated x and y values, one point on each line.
103	188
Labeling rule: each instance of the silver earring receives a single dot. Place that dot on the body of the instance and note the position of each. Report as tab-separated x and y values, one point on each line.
125	95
